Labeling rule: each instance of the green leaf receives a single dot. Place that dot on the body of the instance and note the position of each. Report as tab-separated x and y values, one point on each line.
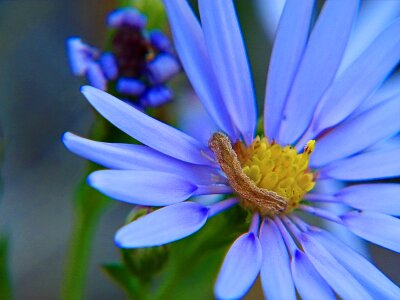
123	278
5	282
195	261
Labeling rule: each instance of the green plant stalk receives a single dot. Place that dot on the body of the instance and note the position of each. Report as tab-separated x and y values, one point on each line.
89	205
79	254
5	282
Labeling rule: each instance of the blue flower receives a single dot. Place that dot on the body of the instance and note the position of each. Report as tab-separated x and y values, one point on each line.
314	98
139	62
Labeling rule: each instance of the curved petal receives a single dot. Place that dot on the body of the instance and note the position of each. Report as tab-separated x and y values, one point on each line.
145	129
376	124
374	16
360	79
309	283
148	188
344	284
276	277
240	268
375	227
269	13
191	48
365	166
138	157
290	41
380	197
318	67
228	58
379	286
163	226
388	89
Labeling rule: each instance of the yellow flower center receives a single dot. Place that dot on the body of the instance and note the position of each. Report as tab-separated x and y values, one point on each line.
279	169
267	177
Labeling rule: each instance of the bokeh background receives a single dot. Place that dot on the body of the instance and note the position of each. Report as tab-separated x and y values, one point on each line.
39	100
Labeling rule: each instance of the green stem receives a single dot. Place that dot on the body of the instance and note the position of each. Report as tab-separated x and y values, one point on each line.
79	256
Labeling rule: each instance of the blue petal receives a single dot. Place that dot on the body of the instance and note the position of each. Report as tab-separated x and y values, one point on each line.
360	79
240	268
159	40
380	197
191	48
156	96
318	67
163	67
365	272
95	76
126	16
388	89
376	124
365	166
79	55
374	16
290	41
309	283
109	65
344	284
276	277
163	226
228	57
145	129
130	86
148	188
138	157
270	12
375	227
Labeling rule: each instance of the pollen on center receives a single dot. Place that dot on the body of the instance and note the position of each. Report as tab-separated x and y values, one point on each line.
279	169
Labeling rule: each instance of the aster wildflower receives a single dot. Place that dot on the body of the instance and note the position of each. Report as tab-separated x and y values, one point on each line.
319	124
137	65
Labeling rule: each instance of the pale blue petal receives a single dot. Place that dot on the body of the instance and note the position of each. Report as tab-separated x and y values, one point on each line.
269	12
375	227
276	276
163	226
360	79
191	48
376	124
309	283
318	67
388	89
365	166
379	286
386	145
290	41
145	129
344	284
240	268
138	157
374	16
228	58
379	197
194	120
95	76
148	188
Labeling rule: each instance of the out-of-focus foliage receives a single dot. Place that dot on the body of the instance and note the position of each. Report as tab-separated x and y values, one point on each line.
5	282
152	9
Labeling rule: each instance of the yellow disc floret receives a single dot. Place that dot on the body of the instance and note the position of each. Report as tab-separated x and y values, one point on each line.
279	169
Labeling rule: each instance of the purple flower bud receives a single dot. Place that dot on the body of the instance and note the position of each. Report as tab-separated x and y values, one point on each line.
126	16
156	96
163	67
95	76
109	65
160	41
80	55
130	86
